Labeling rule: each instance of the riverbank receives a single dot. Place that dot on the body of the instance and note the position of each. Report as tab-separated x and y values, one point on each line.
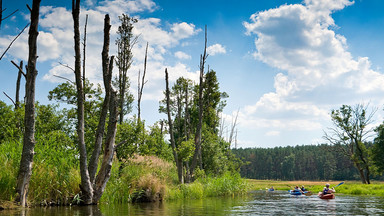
376	188
55	180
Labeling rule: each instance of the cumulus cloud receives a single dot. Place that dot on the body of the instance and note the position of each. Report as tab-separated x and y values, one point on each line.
182	55
216	49
298	39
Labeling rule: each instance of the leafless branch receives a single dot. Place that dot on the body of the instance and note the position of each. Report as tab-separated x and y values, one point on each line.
10	98
18	67
120	144
13	41
64	79
29	8
9	14
67	66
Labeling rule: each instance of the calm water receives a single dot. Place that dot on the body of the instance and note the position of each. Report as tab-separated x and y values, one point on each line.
257	203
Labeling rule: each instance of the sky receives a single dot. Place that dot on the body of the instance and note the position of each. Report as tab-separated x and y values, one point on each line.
284	64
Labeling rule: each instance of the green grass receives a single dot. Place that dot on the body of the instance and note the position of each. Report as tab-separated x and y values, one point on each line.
349	187
229	184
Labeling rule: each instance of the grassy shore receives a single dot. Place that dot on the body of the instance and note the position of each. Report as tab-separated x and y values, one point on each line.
349	187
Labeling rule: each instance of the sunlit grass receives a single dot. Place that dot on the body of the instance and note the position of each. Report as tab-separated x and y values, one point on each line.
349	187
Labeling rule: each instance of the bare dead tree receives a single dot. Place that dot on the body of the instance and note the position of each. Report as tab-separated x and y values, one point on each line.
140	86
179	165
197	154
106	165
84	48
25	170
107	77
233	127
86	186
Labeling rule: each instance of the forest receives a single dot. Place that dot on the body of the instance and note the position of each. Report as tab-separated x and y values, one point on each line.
98	148
306	162
52	155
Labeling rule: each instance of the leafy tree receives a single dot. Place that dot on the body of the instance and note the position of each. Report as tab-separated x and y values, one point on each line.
125	43
66	93
350	132
378	150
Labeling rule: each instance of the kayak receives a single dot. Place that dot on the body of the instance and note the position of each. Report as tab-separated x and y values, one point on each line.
293	192
326	196
270	190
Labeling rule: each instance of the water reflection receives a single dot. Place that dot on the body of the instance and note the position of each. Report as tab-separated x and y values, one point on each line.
256	203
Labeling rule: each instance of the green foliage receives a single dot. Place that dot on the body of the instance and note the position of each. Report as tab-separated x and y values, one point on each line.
142	176
55	175
229	184
307	162
377	151
350	131
11	122
10	155
66	93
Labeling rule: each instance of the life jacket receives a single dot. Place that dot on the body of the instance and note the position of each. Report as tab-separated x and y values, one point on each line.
325	191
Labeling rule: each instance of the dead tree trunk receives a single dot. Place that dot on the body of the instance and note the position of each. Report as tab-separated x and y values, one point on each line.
17	101
197	154
26	162
86	186
178	164
106	166
84	56
107	77
141	86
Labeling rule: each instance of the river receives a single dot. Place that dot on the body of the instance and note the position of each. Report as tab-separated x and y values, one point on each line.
256	203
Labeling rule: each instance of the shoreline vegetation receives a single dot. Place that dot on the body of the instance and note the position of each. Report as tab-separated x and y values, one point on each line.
376	188
55	181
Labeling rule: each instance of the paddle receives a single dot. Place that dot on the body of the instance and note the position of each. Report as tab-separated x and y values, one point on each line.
339	184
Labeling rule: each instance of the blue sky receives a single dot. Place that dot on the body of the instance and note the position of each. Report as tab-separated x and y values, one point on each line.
284	64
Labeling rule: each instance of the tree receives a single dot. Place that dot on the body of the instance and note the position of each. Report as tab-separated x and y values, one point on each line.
25	170
349	133
378	149
86	185
125	44
179	164
197	156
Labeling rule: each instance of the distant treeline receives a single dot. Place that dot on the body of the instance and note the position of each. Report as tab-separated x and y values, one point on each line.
307	162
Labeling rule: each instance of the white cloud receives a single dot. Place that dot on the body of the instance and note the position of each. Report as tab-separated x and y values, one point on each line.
273	133
216	49
182	55
319	73
118	7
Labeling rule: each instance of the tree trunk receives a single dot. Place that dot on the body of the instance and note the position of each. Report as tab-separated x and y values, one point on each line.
141	87
17	98
107	77
178	164
105	169
361	172
86	186
197	154
26	162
